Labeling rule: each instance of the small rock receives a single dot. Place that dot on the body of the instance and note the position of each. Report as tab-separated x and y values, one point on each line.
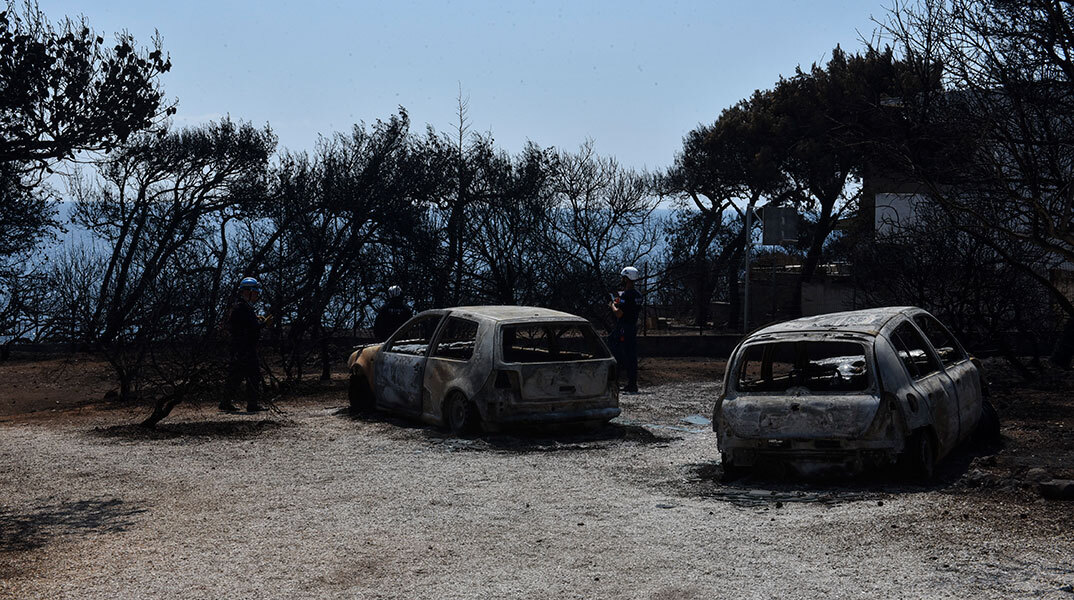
1058	489
779	504
880	503
1037	475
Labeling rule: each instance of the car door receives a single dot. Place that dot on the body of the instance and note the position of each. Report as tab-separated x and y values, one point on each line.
399	369
449	366
959	367
931	382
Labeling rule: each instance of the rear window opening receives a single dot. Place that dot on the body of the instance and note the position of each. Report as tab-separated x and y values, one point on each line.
551	342
816	366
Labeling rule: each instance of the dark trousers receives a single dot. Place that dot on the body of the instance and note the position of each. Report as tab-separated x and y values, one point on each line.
624	345
244	367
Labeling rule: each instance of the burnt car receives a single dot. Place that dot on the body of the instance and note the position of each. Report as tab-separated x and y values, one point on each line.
484	367
850	390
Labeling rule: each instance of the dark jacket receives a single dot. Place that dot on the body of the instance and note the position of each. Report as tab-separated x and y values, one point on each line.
630	303
245	328
392	315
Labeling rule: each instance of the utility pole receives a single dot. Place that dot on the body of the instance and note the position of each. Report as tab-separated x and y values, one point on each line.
746	287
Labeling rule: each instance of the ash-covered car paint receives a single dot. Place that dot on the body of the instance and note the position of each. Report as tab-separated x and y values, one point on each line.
489	366
849	390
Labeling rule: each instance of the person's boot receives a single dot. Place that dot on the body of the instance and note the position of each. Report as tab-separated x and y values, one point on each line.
631	387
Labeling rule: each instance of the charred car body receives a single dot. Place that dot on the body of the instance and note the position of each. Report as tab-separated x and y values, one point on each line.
852	389
489	366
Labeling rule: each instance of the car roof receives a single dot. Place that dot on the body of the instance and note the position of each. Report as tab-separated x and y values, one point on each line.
518	314
868	321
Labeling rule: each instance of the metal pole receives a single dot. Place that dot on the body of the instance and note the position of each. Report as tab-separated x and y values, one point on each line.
644	302
746	288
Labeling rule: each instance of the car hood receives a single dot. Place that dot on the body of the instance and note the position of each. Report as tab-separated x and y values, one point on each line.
799	417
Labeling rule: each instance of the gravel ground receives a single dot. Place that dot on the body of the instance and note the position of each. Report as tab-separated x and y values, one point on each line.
311	503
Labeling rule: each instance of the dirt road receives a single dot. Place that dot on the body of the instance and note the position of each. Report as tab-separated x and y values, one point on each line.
311	503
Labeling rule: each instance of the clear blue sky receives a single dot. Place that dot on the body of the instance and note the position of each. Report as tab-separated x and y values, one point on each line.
633	76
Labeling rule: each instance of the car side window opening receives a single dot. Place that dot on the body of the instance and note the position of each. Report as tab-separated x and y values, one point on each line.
457	341
820	366
550	342
914	351
415	337
942	340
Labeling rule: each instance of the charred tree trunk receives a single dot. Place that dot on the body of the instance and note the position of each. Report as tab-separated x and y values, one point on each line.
161	409
813	255
326	364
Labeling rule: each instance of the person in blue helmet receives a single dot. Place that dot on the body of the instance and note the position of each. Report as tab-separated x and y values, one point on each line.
245	327
623	341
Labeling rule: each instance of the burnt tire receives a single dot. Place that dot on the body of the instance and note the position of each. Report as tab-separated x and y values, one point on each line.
918	460
359	393
730	471
460	415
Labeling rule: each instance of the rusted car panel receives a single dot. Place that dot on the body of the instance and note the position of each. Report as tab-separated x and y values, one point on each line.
847	390
550	368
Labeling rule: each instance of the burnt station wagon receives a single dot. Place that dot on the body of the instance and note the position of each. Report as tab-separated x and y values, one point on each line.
475	367
852	389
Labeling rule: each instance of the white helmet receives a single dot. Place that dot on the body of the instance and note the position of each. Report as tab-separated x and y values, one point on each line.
394	291
630	273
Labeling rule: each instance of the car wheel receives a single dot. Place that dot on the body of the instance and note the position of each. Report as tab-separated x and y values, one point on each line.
359	394
730	471
919	457
460	416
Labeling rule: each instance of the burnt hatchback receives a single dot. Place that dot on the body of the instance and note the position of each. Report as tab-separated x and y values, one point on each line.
850	390
485	367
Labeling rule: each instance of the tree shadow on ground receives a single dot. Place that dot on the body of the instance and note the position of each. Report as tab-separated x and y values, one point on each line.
35	527
561	438
190	430
776	485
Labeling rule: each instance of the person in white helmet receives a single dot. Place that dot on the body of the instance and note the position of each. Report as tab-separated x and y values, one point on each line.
626	305
392	314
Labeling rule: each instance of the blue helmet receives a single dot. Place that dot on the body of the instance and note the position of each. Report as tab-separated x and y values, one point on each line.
249	283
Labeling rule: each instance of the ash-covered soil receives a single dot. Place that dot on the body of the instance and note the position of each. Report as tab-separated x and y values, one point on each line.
308	502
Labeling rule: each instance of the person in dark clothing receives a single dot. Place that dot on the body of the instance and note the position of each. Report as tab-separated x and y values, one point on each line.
626	305
392	315
245	327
